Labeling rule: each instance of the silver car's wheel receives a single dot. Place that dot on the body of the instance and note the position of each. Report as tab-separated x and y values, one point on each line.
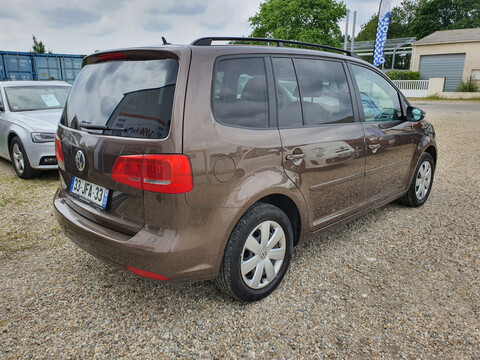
18	160
424	178
257	254
263	254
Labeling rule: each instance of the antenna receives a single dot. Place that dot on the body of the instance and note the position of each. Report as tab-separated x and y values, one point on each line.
165	42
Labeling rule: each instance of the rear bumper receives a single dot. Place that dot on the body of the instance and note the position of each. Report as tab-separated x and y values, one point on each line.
190	254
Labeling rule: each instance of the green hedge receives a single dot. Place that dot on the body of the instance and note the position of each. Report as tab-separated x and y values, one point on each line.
402	75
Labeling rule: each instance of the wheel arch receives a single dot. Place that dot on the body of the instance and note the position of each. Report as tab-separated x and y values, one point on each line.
288	206
432	151
10	137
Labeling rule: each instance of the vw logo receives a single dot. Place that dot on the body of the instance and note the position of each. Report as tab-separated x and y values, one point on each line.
80	160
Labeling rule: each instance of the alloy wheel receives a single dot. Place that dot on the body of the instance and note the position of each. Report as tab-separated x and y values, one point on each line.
18	159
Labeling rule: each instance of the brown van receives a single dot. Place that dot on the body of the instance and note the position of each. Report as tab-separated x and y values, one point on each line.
213	161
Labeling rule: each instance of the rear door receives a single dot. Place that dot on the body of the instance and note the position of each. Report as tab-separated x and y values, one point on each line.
389	137
322	140
122	105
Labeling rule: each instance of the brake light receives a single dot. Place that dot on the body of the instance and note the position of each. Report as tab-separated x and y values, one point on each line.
112	56
170	174
58	149
146	274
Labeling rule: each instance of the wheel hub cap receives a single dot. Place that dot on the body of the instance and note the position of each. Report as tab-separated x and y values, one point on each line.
424	178
263	254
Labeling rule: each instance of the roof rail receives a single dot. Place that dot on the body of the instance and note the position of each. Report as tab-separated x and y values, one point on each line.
207	41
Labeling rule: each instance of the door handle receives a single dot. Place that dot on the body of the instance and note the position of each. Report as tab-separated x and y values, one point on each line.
294	157
374	147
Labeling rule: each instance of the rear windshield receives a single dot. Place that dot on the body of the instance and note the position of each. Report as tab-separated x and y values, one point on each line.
124	98
28	98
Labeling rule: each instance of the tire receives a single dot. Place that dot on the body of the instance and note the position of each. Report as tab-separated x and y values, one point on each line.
245	248
20	161
421	183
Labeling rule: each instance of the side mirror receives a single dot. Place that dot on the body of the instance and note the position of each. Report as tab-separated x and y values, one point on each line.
415	114
2	108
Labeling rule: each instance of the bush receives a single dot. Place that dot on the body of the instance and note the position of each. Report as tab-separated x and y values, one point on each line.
403	75
467	86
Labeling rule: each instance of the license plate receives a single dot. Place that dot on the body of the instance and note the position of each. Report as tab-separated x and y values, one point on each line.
95	194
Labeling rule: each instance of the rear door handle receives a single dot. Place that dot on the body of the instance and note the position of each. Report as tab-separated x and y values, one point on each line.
374	147
294	157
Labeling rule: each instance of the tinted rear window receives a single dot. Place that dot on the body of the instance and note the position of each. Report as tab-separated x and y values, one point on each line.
130	98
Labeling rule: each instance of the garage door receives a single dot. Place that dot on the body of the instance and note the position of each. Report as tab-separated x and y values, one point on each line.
448	66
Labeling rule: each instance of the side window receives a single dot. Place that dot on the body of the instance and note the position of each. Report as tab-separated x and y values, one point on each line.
240	93
324	92
288	101
379	99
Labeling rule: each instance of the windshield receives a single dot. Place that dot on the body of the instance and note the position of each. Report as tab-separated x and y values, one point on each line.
29	98
124	98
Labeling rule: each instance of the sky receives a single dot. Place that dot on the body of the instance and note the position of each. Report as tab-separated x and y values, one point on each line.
83	26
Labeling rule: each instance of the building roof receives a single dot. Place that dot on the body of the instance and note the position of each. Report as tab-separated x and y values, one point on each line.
450	36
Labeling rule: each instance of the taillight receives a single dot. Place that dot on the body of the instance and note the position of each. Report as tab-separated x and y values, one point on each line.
128	170
58	149
170	174
112	56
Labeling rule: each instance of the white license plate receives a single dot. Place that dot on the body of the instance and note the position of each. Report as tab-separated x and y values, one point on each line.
92	193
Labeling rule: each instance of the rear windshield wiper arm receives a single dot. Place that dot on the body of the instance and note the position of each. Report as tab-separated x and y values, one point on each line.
101	127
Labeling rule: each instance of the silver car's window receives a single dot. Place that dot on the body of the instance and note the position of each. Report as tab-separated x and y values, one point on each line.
379	99
124	98
28	98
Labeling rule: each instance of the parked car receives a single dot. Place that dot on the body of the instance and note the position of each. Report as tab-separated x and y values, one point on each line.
29	116
198	162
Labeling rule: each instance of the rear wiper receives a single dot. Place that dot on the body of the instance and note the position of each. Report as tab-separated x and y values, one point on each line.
101	127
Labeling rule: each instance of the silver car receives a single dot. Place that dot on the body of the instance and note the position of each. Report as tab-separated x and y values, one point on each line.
29	115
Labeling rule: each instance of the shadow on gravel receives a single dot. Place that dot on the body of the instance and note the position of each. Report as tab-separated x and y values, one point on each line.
110	282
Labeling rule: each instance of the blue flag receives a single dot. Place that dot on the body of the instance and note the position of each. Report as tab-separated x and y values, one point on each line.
382	29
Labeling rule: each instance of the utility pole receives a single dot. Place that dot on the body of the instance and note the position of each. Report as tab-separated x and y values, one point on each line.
345	41
353	30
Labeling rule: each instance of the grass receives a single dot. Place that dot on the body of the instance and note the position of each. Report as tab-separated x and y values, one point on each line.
26	208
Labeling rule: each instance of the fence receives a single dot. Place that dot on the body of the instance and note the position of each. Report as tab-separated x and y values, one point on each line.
413	88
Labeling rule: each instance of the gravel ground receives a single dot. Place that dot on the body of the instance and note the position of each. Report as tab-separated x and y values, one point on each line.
396	283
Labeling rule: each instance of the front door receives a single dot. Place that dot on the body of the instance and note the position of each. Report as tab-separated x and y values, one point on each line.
389	137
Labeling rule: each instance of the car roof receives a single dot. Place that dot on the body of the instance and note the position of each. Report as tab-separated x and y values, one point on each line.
14	83
234	49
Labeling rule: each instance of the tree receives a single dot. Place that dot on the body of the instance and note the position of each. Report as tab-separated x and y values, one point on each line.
314	21
434	15
38	46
